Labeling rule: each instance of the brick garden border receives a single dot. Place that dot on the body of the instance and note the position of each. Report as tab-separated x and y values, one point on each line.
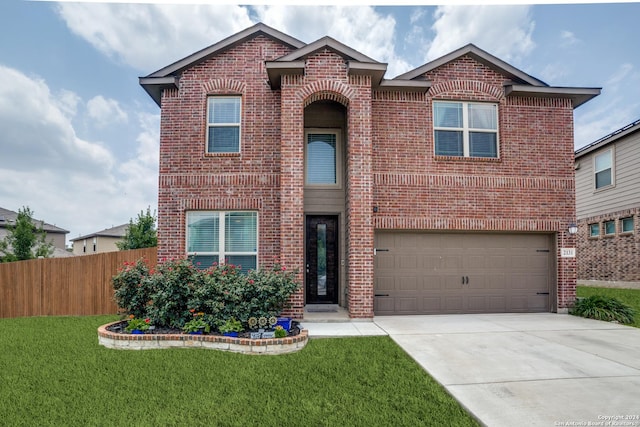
216	342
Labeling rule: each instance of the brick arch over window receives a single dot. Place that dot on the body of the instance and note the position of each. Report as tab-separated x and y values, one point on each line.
215	86
326	90
467	89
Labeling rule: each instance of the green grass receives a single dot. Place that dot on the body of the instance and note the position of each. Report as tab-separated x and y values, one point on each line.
53	372
631	297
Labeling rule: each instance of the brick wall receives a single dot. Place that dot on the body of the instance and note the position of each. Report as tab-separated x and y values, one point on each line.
609	257
530	188
390	161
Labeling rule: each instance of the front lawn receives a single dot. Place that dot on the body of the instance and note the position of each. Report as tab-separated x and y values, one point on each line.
53	373
631	297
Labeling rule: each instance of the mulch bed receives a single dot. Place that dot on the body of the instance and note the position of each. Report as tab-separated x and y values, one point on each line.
119	328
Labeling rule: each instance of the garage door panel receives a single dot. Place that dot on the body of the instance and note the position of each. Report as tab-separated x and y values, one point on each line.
431	304
385	283
406	305
452	262
426	272
383	261
408	261
453	304
496	281
409	283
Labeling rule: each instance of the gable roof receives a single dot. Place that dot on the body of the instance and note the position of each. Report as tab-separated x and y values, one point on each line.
294	63
8	217
167	77
117	232
522	84
608	139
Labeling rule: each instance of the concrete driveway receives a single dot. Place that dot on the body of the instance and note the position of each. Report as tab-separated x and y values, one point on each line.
529	369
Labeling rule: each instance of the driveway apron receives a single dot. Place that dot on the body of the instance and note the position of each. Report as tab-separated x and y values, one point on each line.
528	369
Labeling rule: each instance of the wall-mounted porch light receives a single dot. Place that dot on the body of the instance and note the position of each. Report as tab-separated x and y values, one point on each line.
573	228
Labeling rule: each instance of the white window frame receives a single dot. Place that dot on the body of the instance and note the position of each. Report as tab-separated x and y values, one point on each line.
220	125
222	253
465	129
338	159
604	227
633	225
612	153
597	224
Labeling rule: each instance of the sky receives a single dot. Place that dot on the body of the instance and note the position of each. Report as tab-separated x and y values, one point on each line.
79	137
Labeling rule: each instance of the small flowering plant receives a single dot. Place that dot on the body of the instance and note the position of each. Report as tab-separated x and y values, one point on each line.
280	332
138	324
197	323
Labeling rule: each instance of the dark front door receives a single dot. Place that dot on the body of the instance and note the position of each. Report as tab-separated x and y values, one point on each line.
322	259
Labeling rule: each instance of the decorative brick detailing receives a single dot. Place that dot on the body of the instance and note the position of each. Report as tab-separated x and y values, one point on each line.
466	89
226	86
398	96
609	257
215	342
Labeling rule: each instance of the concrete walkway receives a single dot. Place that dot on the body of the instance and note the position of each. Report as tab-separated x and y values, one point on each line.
521	369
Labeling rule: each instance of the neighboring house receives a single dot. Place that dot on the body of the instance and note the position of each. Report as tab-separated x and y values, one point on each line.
608	207
55	235
447	189
101	241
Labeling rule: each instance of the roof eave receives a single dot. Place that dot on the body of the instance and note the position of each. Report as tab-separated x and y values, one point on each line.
155	85
225	44
608	139
578	95
276	69
376	70
479	55
405	85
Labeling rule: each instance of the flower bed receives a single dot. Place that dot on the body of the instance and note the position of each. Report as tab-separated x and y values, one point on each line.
124	341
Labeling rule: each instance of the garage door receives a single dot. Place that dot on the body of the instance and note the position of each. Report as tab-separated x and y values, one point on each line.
438	273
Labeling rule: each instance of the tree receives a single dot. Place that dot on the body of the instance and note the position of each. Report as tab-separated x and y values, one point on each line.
24	240
140	234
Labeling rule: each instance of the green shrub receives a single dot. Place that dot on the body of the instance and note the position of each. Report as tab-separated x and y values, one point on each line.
132	287
603	308
173	285
176	289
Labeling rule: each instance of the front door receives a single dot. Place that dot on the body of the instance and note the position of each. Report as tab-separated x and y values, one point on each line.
322	259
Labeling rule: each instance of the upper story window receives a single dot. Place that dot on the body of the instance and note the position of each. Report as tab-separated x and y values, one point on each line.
223	237
223	124
465	129
603	169
322	158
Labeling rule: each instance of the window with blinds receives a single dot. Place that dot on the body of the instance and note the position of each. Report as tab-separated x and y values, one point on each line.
465	129
223	124
223	237
322	158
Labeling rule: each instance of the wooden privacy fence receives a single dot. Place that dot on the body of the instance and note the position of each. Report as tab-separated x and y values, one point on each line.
71	286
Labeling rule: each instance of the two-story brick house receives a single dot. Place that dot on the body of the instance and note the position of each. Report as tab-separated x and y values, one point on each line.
608	208
447	189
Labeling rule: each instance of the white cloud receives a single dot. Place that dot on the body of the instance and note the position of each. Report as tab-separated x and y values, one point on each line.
37	133
65	180
105	111
148	37
568	38
611	110
359	27
503	31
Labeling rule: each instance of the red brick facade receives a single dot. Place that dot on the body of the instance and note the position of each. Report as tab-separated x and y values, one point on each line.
390	162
